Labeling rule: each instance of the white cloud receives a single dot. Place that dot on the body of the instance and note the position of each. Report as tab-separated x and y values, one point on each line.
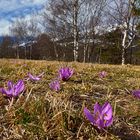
9	5
12	9
4	27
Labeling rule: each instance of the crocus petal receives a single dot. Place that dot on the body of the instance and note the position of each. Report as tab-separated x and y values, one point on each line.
71	71
99	123
55	85
7	92
136	93
34	78
109	122
97	108
107	111
102	74
88	115
65	73
30	75
19	87
10	84
60	73
1	90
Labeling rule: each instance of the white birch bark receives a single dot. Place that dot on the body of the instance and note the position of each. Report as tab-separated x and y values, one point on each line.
75	29
124	46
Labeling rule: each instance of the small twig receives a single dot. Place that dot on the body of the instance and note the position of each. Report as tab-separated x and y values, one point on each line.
19	97
114	109
28	97
79	130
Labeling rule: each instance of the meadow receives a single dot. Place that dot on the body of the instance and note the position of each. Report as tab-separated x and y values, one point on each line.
39	113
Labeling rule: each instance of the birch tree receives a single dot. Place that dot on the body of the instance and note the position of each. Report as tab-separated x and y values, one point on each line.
123	16
75	28
65	16
93	18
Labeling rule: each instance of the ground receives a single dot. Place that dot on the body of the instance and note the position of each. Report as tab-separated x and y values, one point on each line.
42	114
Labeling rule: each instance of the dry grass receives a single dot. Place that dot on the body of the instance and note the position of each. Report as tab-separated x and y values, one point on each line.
41	114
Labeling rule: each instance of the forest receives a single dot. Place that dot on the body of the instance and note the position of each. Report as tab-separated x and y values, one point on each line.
96	31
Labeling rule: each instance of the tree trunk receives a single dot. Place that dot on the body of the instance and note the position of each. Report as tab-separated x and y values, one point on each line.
131	55
88	55
30	52
55	50
85	50
93	44
17	53
100	52
124	46
123	56
56	54
75	30
25	52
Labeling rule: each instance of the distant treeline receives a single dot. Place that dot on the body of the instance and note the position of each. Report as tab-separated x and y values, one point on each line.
105	50
96	31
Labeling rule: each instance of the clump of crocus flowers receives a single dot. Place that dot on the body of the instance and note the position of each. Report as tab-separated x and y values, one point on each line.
136	93
35	78
102	74
65	73
13	90
55	85
101	117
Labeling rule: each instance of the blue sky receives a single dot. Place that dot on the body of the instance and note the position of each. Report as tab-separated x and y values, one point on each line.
12	9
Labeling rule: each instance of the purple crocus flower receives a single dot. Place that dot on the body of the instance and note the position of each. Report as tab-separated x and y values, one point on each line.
102	74
136	93
102	116
35	78
55	85
65	73
13	90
